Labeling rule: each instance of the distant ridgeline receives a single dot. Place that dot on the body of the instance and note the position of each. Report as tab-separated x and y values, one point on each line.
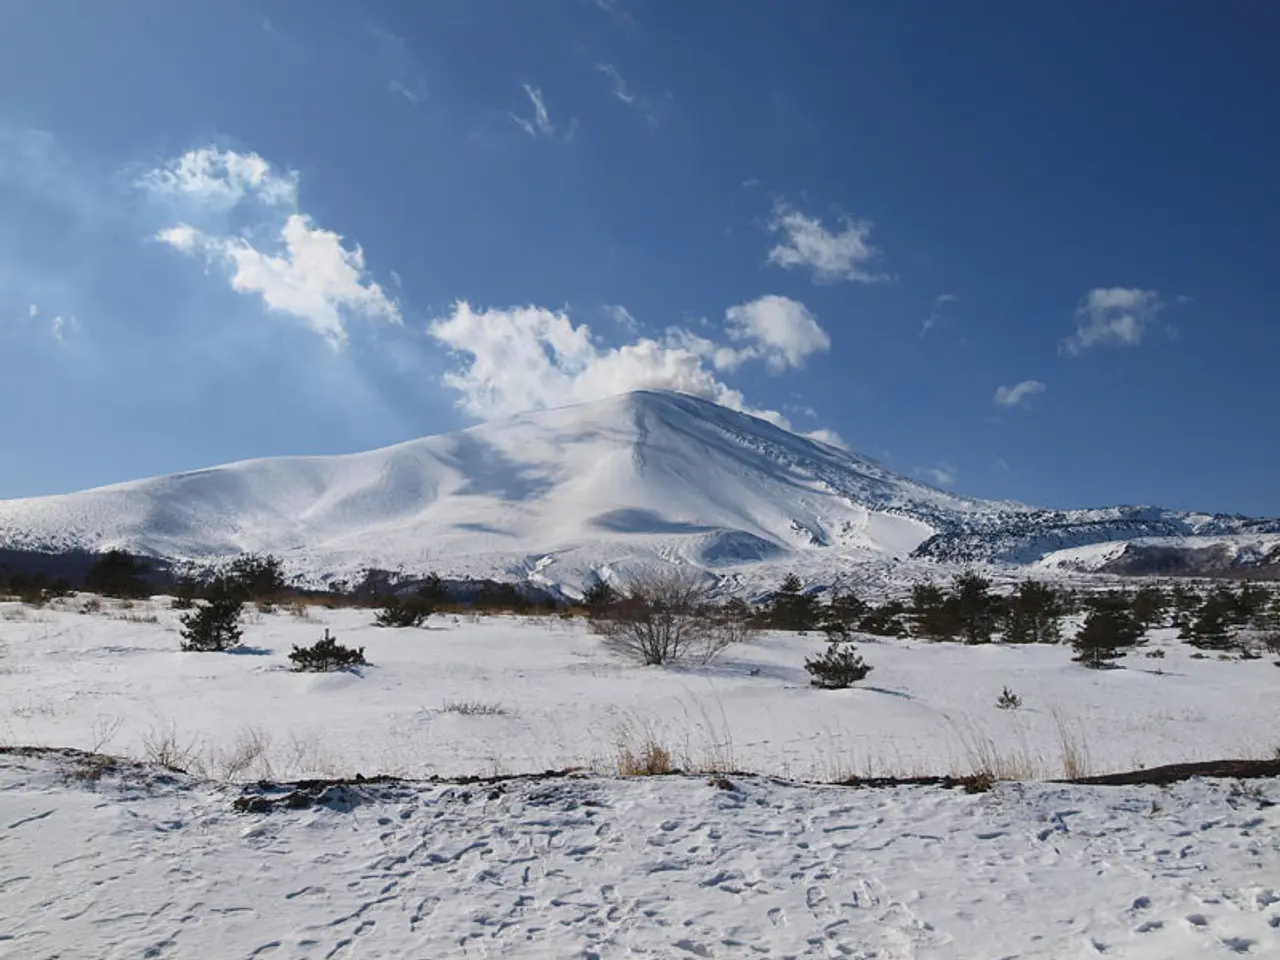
259	577
1149	540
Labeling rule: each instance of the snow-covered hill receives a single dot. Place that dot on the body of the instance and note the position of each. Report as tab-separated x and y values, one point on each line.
554	495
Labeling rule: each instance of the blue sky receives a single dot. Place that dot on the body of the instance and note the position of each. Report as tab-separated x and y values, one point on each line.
1020	250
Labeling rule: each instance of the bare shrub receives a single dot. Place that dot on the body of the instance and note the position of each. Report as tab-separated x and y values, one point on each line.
299	610
247	754
91	767
160	746
666	617
103	731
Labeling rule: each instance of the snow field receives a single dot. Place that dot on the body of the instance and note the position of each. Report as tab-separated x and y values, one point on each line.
511	695
142	864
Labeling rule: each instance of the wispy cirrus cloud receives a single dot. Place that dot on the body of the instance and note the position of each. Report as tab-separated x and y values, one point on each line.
830	256
58	326
539	124
624	93
938	317
1019	392
304	271
622	317
614	8
398	64
1112	316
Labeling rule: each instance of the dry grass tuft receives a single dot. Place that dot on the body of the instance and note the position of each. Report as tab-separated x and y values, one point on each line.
650	760
474	708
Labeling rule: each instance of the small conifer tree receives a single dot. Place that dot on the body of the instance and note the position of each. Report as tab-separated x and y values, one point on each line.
1107	629
213	627
1033	614
403	612
792	608
839	667
326	655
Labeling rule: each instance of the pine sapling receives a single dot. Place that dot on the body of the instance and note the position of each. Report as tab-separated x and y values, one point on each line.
213	627
326	655
1008	700
838	668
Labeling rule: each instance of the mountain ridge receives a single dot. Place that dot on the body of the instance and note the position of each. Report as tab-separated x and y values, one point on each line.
558	496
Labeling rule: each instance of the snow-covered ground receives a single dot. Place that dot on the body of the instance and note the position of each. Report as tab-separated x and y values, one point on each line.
552	697
137	864
134	861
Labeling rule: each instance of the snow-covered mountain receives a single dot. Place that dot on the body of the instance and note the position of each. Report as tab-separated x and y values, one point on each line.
554	495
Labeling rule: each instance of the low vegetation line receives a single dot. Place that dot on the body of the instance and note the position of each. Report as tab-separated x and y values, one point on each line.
1175	772
267	795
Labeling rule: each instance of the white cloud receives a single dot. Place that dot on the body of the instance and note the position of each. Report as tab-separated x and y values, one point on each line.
540	124
1112	316
944	298
526	358
780	331
830	256
309	274
828	437
720	356
181	237
1012	396
32	310
943	475
314	278
223	178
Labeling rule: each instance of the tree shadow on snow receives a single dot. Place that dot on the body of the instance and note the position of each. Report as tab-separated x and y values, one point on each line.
887	692
759	671
250	651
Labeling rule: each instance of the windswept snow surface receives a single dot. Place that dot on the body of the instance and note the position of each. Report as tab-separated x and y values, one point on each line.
557	496
141	863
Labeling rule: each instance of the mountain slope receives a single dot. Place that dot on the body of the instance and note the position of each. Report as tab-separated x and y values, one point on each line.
556	494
